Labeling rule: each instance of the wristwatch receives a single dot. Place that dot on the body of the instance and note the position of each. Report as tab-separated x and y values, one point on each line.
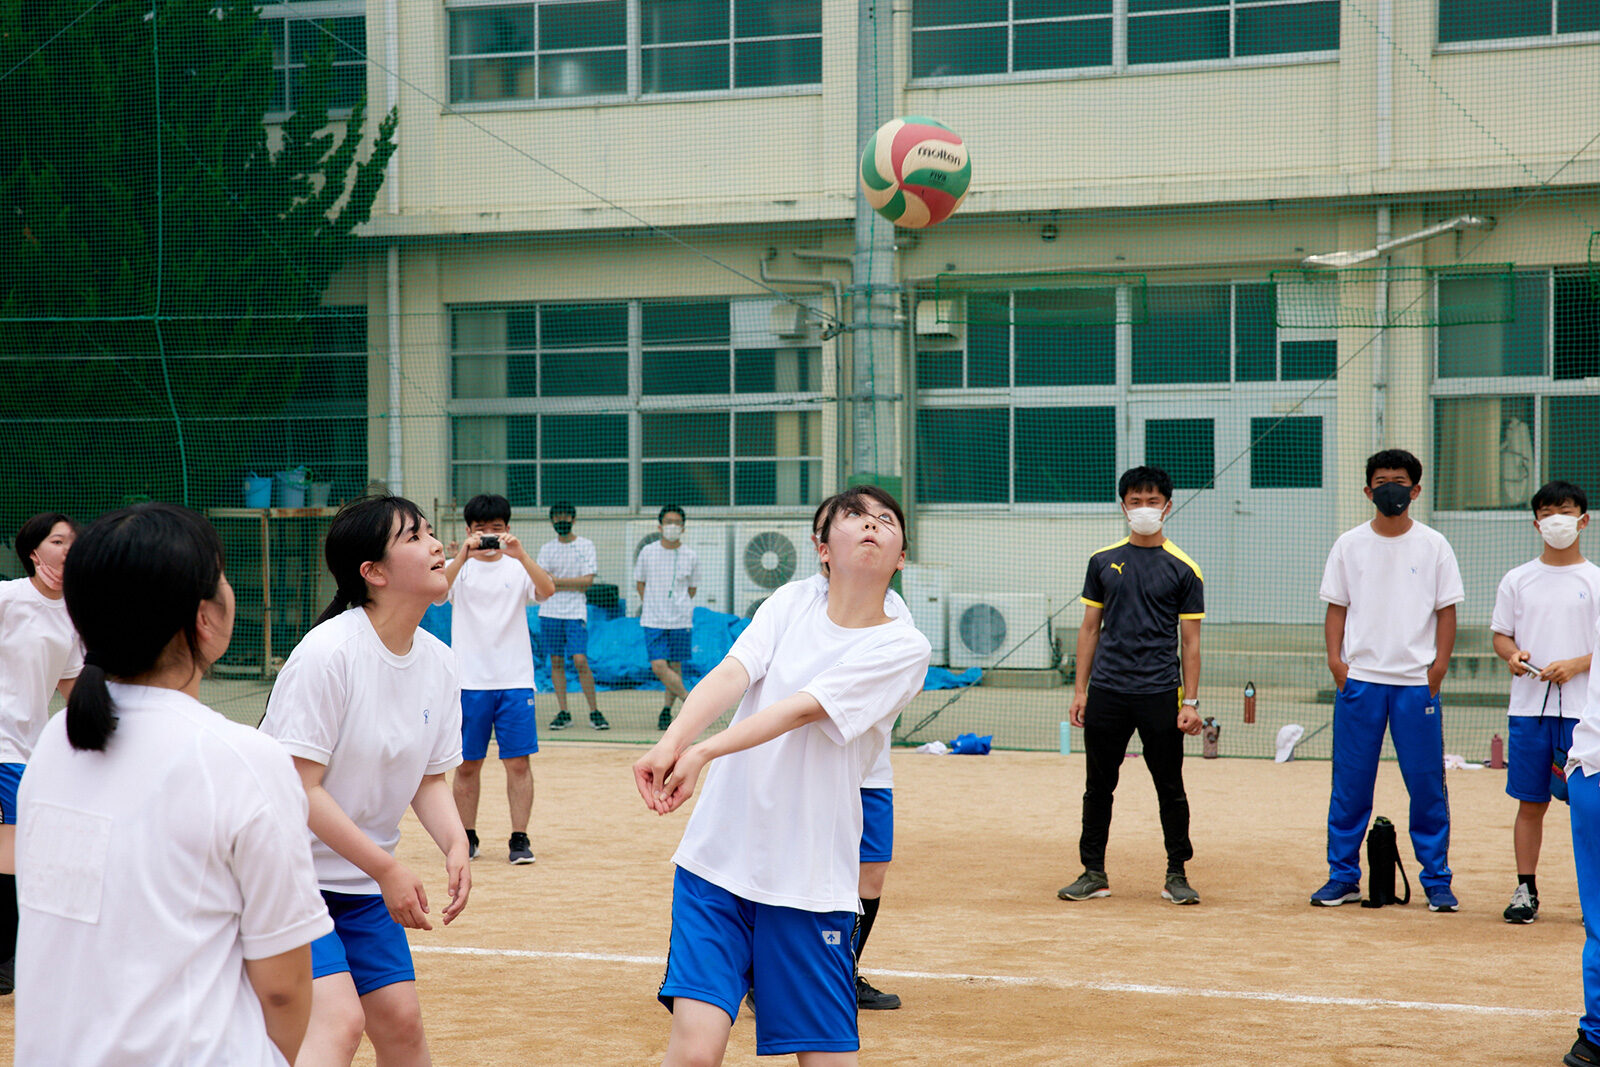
1192	703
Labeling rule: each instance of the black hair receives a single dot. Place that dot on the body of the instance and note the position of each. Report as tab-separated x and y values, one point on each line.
1553	495
361	533
487	507
1144	478
33	534
857	496
561	507
671	509
133	582
1395	459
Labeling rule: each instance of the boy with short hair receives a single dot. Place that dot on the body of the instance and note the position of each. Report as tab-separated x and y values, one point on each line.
1392	586
1545	613
1142	596
564	618
492	580
667	576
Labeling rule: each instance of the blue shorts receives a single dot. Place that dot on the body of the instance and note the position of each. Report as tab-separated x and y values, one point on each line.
365	941
802	964
564	637
10	779
511	714
1531	754
877	825
674	646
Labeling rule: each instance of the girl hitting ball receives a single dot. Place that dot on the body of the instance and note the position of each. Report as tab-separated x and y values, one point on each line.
167	893
765	889
369	708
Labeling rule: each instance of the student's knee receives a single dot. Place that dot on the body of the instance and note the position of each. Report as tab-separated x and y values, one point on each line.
336	1025
517	768
468	770
580	661
1532	809
395	1024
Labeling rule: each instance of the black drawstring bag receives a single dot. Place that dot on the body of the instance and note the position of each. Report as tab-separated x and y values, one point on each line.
1383	859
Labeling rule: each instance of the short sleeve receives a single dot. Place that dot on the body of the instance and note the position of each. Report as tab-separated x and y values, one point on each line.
590	558
306	709
754	647
639	572
1191	595
1335	585
1449	588
447	743
871	683
74	665
544	559
1504	618
1094	592
270	857
694	568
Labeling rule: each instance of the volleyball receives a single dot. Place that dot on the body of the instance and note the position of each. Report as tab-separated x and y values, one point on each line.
915	171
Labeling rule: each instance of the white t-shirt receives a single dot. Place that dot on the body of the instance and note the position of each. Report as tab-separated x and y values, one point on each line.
147	875
780	823
668	575
489	624
1392	586
569	559
38	648
1551	612
379	722
1585	751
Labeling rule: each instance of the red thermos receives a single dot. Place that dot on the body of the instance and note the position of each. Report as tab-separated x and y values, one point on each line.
1497	753
1249	702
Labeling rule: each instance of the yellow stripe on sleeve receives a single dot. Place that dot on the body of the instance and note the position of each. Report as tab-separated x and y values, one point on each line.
1091	603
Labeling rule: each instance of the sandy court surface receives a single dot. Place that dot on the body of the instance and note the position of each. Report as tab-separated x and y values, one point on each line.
558	963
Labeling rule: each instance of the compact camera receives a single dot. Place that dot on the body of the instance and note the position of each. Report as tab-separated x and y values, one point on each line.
488	542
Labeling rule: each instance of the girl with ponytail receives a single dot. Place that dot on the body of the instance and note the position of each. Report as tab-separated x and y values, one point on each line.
39	653
154	830
369	707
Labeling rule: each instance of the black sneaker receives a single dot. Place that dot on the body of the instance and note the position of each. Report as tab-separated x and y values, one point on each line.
870	999
521	850
664	720
472	844
1090	884
750	1003
1585	1053
598	721
561	721
8	976
1524	906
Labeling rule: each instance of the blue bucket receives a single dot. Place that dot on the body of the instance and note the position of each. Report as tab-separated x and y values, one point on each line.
257	491
292	486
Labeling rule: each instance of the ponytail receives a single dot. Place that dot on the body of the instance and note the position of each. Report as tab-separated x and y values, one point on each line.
342	602
91	718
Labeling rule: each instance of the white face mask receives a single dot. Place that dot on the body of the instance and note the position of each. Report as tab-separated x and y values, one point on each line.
1144	520
671	531
1559	531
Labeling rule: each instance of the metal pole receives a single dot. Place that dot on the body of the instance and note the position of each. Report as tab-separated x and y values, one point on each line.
874	346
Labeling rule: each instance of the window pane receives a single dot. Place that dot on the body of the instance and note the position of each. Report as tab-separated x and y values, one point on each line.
586	484
1066	355
1291	28
777	433
585	436
1185	337
668	372
1572	445
685	69
1286	453
507	29
349	82
522	485
777	370
987	356
1255	336
1178	38
953	12
1044	9
1484	452
1137	6
1184	448
962	455
701	323
1054	45
1577	340
766	18
792	62
478	438
1475	20
1577	16
664	21
1049	471
583	74
585	374
564	26
1492	349
780	482
1309	360
946	53
938	370
584	325
674	434
522	376
521	437
689	484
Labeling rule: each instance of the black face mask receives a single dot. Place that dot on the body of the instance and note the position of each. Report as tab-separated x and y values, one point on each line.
1392	498
563	527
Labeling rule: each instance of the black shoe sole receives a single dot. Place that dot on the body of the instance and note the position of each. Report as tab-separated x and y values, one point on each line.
888	1002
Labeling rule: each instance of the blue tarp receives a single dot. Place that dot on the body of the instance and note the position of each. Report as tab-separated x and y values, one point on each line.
618	659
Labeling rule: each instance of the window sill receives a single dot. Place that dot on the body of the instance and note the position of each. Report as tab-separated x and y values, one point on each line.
1513	44
473	107
1081	73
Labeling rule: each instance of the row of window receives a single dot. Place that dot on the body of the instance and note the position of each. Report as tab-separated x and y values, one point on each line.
557	49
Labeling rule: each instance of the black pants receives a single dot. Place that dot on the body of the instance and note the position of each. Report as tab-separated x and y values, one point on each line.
1109	721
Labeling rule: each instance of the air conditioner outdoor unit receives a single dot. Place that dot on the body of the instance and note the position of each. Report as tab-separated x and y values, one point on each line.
766	556
925	587
937	318
710	543
790	321
1009	631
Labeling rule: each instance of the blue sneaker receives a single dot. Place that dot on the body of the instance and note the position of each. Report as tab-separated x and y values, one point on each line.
1335	893
1441	899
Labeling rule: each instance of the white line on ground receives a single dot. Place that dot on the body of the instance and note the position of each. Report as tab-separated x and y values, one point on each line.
1046	980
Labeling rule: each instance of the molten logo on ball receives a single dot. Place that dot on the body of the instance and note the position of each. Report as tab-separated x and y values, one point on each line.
915	171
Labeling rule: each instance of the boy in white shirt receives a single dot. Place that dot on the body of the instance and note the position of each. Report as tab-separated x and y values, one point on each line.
667	576
564	618
492	581
1544	617
1391	585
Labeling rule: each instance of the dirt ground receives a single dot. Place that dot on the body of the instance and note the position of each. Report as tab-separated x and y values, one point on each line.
558	963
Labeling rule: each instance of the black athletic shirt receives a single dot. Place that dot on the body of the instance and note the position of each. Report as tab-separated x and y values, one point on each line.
1143	592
